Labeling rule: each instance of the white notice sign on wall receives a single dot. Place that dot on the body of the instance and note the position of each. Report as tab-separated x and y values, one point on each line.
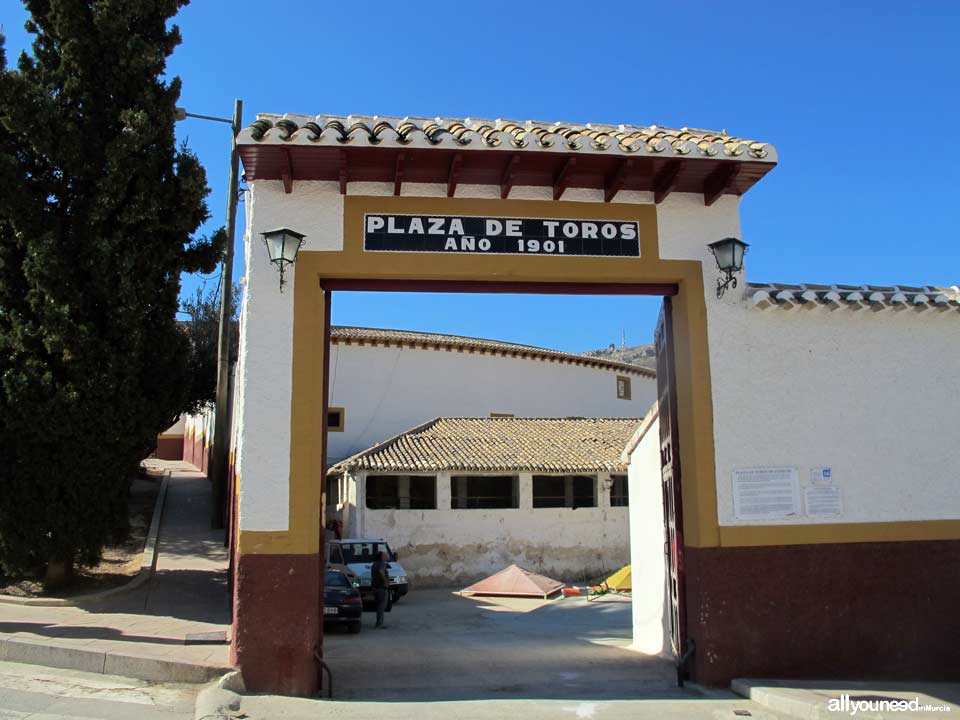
766	492
823	501
821	475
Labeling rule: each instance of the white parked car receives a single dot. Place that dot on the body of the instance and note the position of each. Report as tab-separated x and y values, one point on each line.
358	554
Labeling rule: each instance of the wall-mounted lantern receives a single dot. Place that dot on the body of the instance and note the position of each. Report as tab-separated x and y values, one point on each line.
282	246
729	256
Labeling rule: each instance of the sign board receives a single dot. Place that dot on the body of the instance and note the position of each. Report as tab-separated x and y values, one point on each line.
824	501
821	475
765	493
385	232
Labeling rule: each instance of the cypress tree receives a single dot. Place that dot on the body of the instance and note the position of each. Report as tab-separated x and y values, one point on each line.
98	210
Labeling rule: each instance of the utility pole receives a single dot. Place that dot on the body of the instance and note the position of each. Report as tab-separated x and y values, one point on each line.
221	450
220	459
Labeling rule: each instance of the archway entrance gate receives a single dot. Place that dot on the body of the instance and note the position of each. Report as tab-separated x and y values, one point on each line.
364	235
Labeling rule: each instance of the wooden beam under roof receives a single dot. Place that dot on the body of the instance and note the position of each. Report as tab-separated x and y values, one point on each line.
398	174
719	181
343	172
455	163
665	180
287	175
505	168
616	181
560	181
509	175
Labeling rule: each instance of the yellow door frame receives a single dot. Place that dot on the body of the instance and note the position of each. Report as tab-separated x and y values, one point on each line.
311	307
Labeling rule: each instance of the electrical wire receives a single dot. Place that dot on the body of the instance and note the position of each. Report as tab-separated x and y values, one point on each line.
383	395
333	379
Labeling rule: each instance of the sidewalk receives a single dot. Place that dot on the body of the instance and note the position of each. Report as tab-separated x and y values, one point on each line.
682	704
142	633
816	700
760	700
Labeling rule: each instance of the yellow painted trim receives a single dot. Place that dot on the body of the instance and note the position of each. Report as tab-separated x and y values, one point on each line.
694	393
343	420
354	263
261	542
306	424
695	415
693	396
766	535
171	436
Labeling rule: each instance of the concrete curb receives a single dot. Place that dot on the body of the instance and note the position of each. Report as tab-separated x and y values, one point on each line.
781	700
147	566
214	701
70	657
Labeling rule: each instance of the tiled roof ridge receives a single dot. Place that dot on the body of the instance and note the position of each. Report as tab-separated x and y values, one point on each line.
503	134
340	333
854	297
441	335
532	418
459	447
351	461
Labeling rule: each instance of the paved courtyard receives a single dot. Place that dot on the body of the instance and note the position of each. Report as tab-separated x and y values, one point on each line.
440	646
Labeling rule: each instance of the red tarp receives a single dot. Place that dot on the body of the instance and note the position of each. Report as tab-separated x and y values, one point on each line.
515	581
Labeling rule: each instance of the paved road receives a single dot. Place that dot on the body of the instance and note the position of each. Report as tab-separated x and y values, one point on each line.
444	656
32	692
439	646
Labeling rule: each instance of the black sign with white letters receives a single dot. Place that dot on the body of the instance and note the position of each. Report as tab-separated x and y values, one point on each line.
500	235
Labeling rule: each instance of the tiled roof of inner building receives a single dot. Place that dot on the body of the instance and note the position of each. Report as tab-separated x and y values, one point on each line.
413	339
568	445
511	135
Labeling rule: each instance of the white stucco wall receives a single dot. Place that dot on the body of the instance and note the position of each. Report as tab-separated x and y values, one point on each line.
178	428
874	396
200	424
264	380
870	395
387	390
651	623
445	547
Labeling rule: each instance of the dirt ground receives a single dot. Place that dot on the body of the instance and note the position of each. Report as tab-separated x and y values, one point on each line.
119	563
439	646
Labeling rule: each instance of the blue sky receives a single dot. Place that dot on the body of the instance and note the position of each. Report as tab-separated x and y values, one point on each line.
860	99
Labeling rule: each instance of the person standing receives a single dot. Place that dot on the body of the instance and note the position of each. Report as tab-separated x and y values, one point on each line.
380	582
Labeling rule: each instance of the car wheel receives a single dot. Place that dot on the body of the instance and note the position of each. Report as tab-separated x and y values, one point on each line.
395	596
354	627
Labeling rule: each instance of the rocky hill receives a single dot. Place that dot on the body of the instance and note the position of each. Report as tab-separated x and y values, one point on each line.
644	355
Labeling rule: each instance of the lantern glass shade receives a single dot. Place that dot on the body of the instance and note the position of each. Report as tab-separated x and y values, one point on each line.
729	254
283	245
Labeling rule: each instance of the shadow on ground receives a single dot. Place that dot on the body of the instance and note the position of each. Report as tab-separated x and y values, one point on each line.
83	632
195	595
439	646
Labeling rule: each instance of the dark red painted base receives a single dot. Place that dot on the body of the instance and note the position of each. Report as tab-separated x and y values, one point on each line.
169	448
275	622
837	611
196	452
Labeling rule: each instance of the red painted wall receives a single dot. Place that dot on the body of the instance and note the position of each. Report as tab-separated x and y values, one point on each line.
838	611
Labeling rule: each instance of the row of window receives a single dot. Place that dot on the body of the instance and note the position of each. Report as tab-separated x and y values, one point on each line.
485	492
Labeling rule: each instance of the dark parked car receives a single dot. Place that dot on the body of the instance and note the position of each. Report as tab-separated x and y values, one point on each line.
342	603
